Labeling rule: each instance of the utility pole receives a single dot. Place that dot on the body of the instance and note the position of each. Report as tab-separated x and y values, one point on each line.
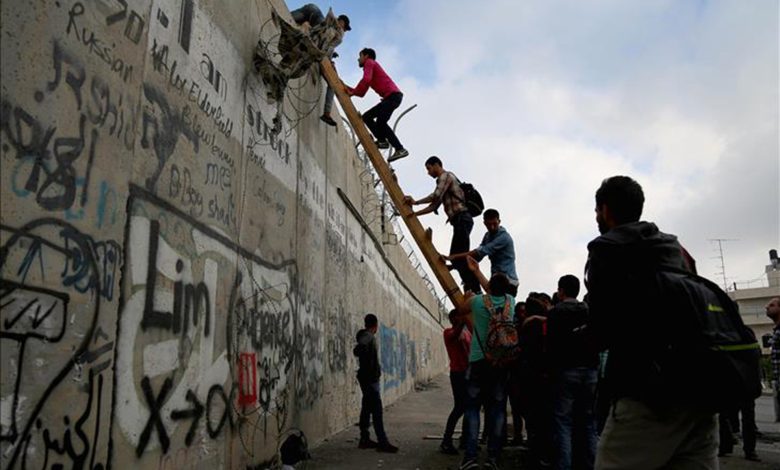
722	272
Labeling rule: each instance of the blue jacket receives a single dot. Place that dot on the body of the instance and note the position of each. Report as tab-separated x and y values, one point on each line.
500	248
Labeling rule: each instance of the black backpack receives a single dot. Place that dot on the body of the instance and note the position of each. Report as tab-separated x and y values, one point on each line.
471	198
708	357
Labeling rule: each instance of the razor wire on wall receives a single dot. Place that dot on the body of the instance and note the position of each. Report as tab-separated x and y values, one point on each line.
392	232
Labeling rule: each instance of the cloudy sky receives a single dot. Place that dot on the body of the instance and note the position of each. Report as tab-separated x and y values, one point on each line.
535	102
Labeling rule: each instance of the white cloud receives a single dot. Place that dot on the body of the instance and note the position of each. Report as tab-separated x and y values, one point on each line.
536	102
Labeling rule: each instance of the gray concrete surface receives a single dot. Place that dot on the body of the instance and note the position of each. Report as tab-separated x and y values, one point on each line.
423	413
198	279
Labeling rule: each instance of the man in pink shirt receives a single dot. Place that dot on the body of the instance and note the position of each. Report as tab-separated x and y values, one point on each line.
376	118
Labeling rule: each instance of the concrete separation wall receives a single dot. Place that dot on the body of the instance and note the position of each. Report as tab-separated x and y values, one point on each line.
179	286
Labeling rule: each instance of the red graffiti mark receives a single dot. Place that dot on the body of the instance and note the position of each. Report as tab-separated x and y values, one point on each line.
247	378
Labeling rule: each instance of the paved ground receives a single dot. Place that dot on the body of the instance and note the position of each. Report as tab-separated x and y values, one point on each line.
768	446
423	413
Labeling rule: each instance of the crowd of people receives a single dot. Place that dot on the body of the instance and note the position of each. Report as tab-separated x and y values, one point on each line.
587	381
550	385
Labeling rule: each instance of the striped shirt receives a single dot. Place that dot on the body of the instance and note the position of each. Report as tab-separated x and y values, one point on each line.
448	192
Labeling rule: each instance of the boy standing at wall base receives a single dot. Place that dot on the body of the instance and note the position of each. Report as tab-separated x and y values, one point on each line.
368	375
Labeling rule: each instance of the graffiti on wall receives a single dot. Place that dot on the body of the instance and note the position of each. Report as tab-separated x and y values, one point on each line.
218	327
394	354
339	335
53	162
191	96
52	291
70	116
271	165
205	341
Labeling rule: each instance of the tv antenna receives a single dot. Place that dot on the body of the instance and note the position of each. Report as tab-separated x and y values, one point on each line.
720	256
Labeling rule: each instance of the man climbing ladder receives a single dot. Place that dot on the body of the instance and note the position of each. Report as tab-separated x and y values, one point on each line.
376	118
416	230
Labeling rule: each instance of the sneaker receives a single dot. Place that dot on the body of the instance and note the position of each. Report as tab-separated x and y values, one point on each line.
470	464
382	144
752	456
386	447
448	448
399	154
490	464
328	120
367	444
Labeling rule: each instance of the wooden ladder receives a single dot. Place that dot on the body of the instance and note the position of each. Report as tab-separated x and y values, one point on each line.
420	235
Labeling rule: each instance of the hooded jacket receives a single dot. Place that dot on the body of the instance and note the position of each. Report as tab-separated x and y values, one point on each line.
623	295
369	369
567	341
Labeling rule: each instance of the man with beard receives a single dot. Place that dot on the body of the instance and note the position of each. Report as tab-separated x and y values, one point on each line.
642	431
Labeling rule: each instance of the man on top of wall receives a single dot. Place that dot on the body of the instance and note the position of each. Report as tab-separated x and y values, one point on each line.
307	17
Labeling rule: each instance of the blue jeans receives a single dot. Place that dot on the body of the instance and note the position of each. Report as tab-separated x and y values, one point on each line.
328	101
371	407
485	385
309	12
574	424
458	382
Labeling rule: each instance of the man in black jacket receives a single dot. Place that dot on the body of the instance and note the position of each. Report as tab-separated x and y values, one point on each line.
573	364
648	426
368	375
532	372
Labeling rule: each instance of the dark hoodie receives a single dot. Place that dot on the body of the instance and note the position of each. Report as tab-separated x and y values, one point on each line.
624	301
567	342
368	358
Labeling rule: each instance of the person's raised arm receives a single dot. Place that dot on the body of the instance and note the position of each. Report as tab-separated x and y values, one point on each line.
424	211
456	256
415	202
464	311
474	267
491	247
362	86
436	197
